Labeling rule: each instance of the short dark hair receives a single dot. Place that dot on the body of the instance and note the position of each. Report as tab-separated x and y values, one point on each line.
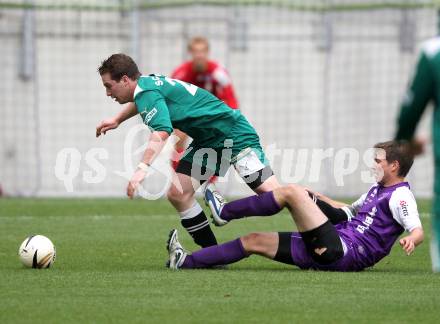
119	65
399	151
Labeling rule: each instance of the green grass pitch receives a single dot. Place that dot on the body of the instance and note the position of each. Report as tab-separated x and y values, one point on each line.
110	268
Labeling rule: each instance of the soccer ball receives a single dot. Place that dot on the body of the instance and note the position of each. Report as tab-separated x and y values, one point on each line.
37	251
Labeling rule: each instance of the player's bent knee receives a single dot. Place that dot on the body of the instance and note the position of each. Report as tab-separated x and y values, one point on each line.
250	239
251	242
258	243
296	189
323	244
293	192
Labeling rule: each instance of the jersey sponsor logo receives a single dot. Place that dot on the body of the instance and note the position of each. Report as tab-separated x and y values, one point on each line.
150	115
404	205
368	221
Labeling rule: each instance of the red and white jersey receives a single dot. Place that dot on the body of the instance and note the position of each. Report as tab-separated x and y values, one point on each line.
214	79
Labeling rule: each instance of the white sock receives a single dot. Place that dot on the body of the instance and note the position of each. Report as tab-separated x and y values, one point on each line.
193	211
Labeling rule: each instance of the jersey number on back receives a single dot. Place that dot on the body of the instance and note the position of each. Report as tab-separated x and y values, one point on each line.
191	88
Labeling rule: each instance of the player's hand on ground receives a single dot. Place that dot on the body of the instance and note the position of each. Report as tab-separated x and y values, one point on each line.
106	125
407	245
137	178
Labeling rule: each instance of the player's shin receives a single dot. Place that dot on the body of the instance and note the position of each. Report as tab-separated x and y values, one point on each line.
196	223
222	254
259	205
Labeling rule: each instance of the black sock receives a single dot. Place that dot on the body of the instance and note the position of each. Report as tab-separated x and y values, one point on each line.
335	215
199	229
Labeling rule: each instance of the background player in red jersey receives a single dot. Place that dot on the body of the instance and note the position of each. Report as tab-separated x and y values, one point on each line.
206	74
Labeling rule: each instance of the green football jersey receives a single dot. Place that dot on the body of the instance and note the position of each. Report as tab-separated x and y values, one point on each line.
166	103
423	88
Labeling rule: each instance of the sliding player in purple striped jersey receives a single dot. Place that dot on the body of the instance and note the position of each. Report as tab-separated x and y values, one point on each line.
331	235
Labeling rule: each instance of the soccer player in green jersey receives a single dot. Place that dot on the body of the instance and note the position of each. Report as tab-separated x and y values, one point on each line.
423	89
221	137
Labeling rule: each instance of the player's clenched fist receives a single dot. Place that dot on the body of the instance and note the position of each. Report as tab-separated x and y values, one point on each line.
106	125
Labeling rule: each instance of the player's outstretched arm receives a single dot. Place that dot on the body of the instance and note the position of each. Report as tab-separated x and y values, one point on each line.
409	242
112	123
155	145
